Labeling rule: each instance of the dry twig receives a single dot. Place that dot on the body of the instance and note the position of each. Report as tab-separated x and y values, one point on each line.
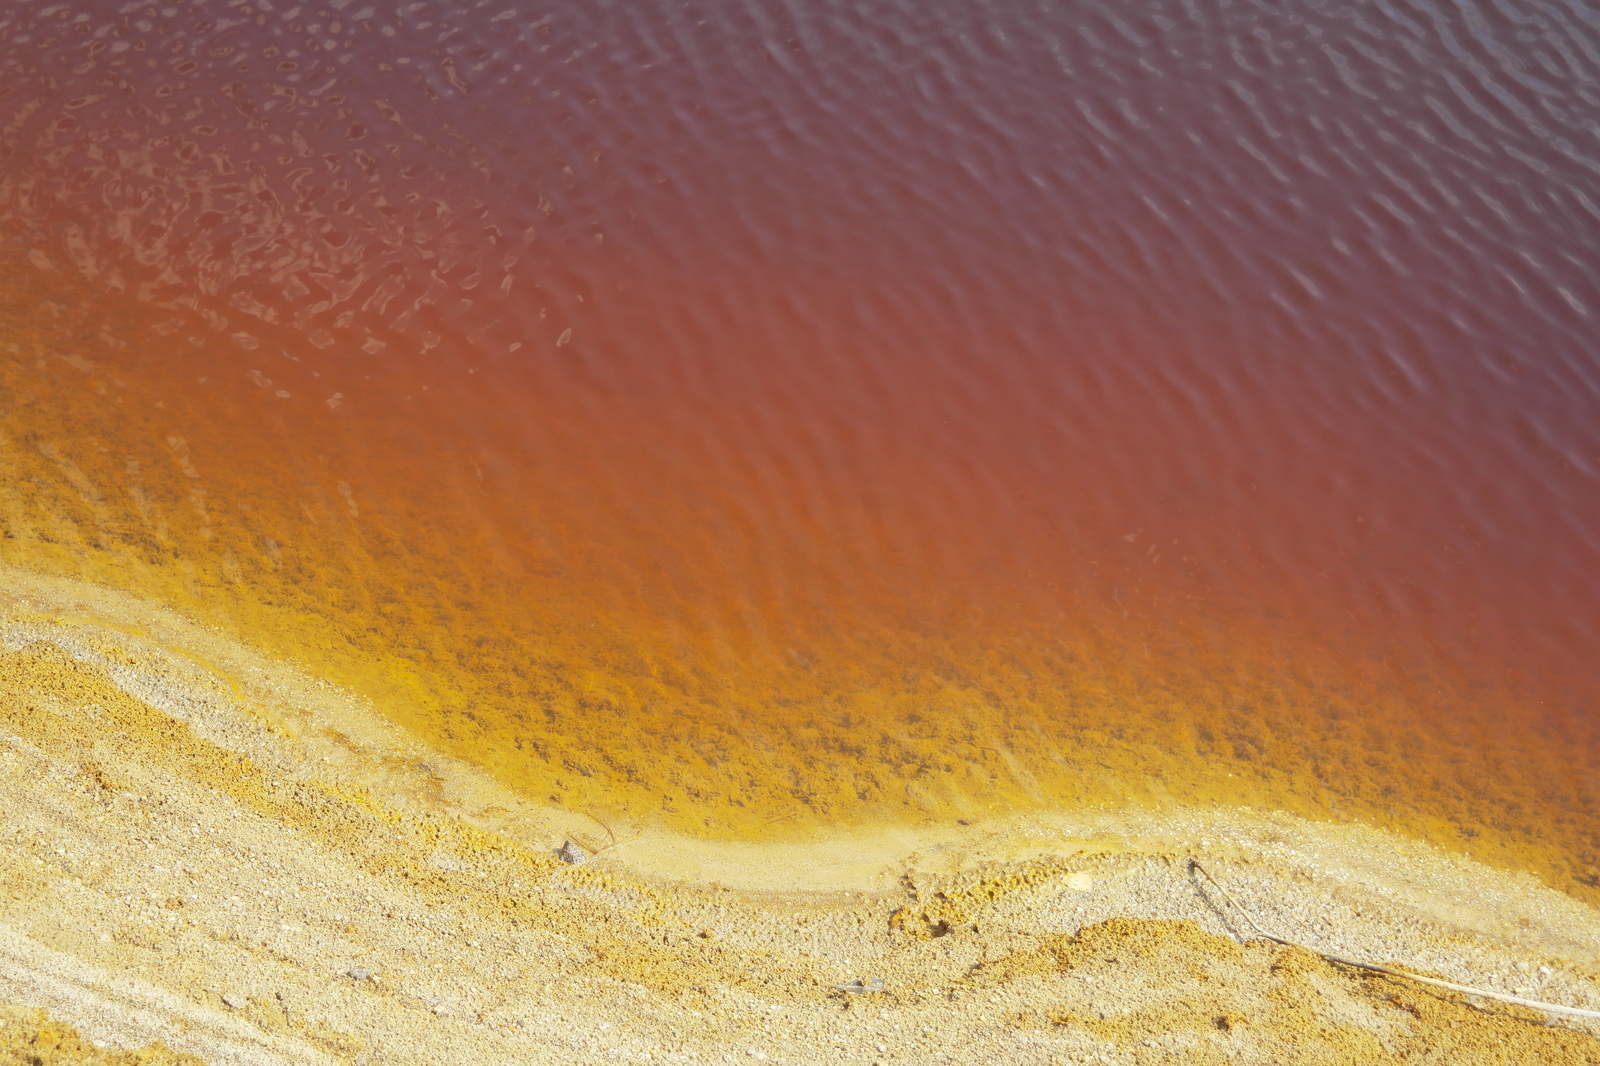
1551	1008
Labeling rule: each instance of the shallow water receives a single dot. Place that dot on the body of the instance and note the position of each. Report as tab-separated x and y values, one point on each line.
752	418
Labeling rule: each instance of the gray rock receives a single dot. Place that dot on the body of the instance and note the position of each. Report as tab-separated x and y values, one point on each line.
358	973
235	1000
861	985
572	853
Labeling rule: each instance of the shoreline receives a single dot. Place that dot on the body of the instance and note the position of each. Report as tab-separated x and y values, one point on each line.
210	849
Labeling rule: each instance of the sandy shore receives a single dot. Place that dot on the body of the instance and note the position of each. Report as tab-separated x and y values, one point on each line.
203	847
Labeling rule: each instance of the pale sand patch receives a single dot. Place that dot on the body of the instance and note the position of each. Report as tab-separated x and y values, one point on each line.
186	820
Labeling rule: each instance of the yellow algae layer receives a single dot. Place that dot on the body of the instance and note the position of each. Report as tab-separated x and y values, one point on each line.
341	545
221	701
32	1038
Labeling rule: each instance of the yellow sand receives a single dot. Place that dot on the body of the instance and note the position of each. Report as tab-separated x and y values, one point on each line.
205	848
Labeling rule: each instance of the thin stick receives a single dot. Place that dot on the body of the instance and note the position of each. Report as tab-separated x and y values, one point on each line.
1551	1008
615	843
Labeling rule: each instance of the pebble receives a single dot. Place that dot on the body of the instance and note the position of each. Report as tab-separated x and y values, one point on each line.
358	973
861	985
235	1000
572	853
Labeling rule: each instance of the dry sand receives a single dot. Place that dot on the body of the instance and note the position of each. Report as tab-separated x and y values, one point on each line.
205	853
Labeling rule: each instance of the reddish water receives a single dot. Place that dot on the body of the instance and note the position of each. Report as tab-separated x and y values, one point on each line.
753	418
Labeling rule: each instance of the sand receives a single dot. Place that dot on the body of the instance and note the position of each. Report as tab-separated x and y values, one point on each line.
206	853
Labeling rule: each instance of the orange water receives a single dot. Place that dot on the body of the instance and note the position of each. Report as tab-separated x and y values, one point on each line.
752	421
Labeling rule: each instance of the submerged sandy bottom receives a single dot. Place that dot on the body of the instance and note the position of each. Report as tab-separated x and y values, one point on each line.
206	848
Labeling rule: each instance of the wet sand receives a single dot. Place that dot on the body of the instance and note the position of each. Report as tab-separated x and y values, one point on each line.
206	848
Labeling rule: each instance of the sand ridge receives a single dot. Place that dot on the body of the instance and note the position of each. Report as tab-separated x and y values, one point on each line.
206	848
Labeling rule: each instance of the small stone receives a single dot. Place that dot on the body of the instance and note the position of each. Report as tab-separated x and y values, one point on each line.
235	1000
572	853
358	973
862	986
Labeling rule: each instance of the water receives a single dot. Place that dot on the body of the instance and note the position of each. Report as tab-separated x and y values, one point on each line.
753	418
